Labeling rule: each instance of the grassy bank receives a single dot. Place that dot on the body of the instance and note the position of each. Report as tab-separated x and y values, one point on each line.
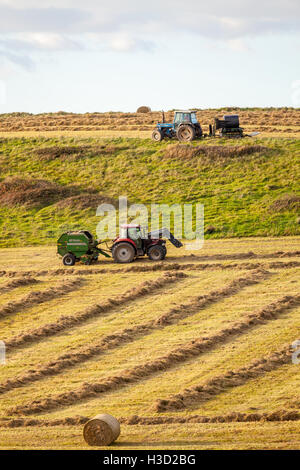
249	187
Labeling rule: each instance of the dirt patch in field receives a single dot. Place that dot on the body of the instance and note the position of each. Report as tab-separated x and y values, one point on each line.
287	202
85	201
68	321
17	191
51	153
219	384
38	297
75	152
213	153
126	335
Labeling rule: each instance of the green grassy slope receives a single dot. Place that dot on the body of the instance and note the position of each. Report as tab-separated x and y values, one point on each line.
245	193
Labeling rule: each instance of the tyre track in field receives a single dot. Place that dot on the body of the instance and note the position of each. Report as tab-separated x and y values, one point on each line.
162	266
233	417
127	335
22	281
219	384
41	296
140	372
65	322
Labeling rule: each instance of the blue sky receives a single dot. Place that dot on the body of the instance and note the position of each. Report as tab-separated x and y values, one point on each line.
95	56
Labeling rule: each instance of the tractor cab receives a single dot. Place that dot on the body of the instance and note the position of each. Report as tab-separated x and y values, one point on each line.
184	117
185	127
130	231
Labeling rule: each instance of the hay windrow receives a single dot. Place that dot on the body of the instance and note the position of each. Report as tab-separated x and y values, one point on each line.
68	321
233	417
152	267
241	256
219	384
21	282
116	339
38	297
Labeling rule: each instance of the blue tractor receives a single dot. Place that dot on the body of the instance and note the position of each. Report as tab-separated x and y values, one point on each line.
185	127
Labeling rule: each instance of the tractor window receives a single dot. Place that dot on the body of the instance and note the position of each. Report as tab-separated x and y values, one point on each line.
194	118
178	118
134	233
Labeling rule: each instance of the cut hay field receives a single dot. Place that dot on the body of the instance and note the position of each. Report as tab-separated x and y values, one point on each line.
269	121
190	353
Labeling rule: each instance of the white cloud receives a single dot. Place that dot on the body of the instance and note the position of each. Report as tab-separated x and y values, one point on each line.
237	45
136	25
124	42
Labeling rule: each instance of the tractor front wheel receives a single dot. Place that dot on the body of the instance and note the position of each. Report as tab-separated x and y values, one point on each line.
156	253
123	253
157	135
186	133
69	259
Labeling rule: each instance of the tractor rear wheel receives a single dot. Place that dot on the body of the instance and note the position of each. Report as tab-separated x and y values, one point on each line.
157	135
123	253
185	133
156	253
69	259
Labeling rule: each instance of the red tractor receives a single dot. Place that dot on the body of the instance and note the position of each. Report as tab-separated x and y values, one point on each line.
134	242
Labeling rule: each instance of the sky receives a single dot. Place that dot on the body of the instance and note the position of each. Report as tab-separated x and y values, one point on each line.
97	56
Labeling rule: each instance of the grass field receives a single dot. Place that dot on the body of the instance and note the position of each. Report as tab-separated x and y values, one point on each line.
172	356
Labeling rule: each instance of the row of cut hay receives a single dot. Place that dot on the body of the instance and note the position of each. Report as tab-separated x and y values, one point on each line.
219	384
234	417
247	255
21	282
38	297
127	335
152	267
69	321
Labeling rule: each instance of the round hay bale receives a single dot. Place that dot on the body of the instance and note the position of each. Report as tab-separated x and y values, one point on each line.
102	430
143	109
